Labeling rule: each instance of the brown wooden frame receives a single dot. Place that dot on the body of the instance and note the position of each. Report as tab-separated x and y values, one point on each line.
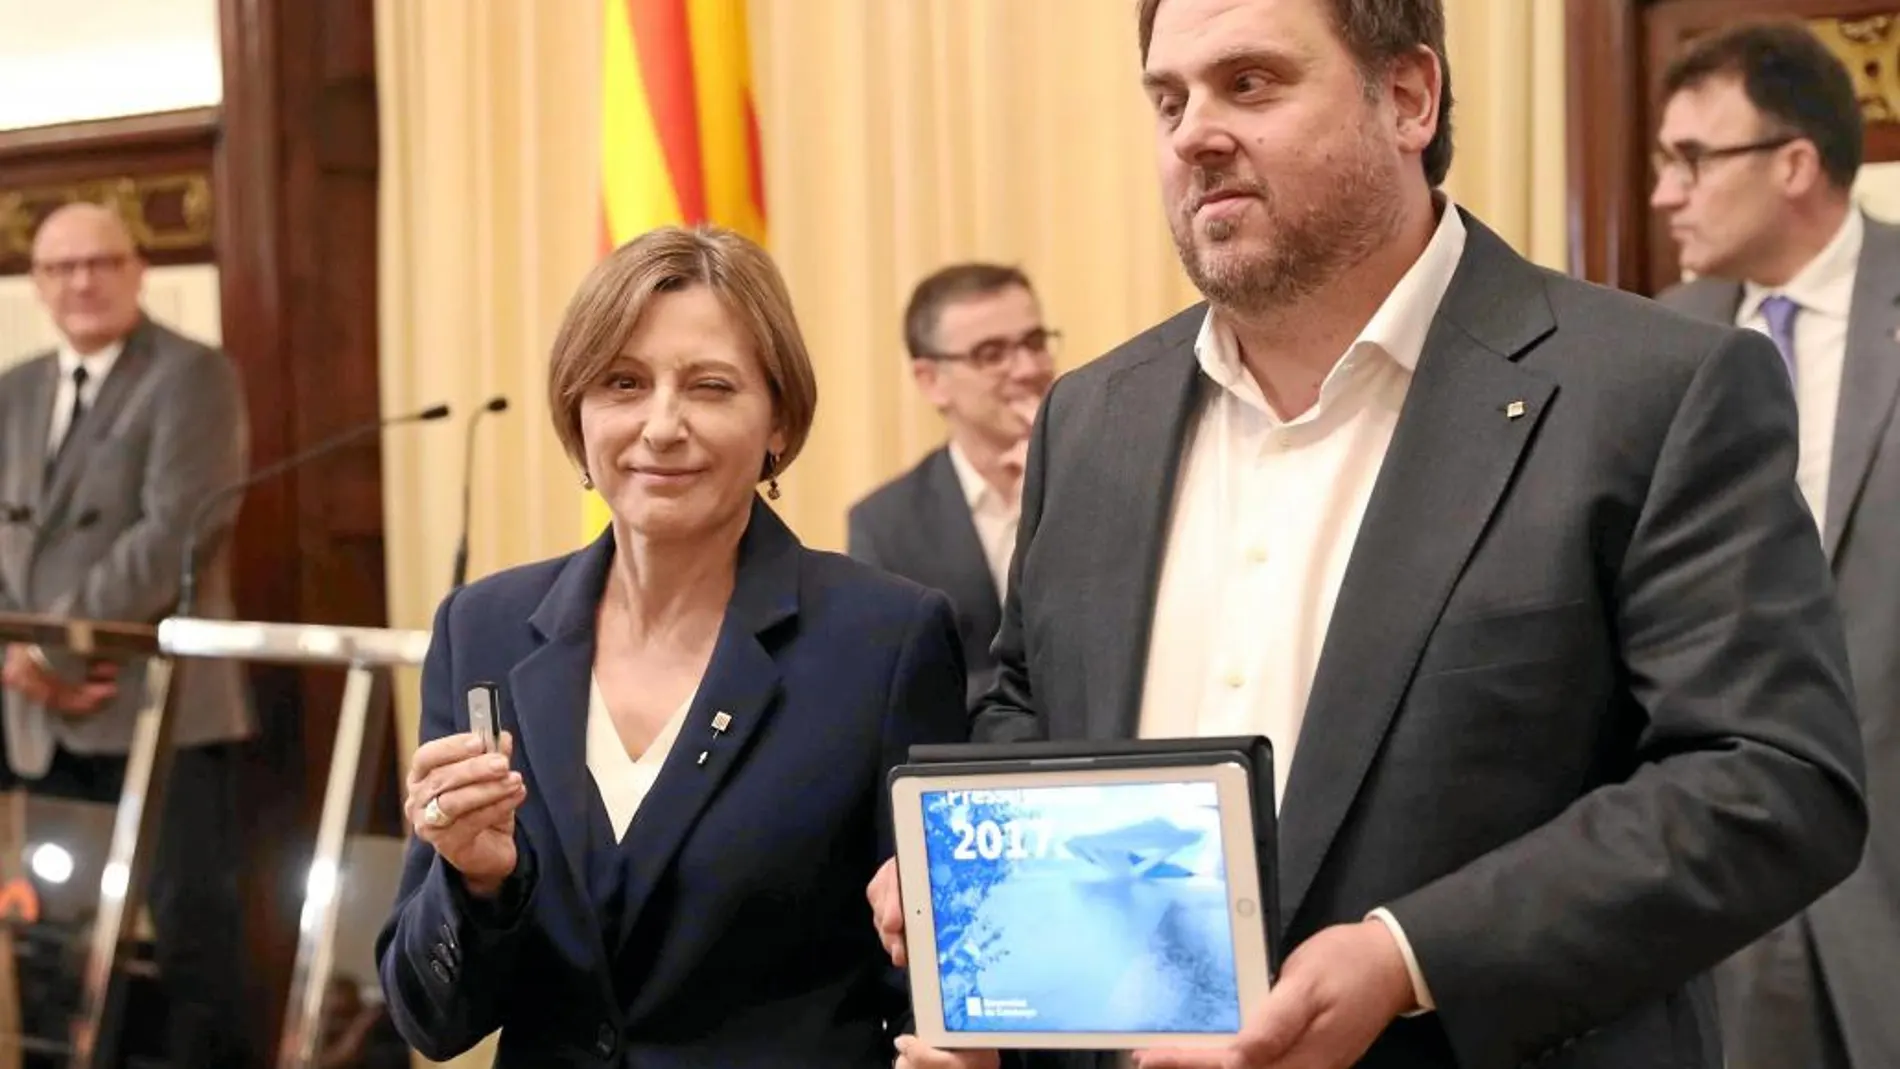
155	169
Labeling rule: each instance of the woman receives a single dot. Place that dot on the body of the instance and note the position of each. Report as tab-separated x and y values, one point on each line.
664	864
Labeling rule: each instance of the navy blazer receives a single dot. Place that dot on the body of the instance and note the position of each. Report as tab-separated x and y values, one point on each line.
746	940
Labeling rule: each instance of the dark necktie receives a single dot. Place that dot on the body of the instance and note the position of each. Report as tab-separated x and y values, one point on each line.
1780	311
80	377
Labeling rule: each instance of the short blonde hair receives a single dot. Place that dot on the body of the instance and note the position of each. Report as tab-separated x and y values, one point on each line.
607	308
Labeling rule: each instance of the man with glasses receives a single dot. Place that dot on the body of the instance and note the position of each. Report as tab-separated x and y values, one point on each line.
1758	150
983	357
109	444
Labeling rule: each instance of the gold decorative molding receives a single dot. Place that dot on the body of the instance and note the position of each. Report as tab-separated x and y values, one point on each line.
166	213
1869	46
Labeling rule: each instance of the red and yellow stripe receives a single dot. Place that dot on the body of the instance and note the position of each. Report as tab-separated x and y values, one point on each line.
679	135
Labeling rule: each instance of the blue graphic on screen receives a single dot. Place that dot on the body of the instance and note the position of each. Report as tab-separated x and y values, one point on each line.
1099	908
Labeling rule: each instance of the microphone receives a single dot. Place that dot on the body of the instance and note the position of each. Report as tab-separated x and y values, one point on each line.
23	514
497	403
188	572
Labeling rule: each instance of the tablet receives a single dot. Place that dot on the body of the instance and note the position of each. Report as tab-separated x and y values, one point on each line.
1099	906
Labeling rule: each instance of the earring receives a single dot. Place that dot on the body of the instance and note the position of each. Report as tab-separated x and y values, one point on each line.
587	481
771	476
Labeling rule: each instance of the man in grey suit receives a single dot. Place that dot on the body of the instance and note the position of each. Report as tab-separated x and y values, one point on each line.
1511	569
1757	154
109	445
983	357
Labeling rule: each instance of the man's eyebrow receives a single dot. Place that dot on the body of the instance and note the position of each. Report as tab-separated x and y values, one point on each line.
1280	62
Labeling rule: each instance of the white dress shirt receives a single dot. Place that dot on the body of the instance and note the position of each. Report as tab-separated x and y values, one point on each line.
97	366
1266	513
1825	291
995	517
624	780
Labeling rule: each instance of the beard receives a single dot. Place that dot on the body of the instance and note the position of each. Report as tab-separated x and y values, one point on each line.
1307	245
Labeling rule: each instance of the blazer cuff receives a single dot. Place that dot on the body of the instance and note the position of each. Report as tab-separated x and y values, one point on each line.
499	915
1421	992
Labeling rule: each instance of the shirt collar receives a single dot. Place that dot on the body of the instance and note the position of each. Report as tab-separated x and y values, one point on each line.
97	366
1397	329
975	488
1826	284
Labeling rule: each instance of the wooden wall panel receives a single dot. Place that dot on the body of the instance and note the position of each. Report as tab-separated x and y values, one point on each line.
297	180
154	169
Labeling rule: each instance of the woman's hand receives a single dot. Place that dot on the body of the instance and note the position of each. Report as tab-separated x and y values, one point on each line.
472	823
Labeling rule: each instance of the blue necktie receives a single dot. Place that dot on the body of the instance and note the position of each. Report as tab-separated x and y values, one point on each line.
1780	312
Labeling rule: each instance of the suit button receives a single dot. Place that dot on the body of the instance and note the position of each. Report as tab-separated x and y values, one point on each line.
604	1041
440	970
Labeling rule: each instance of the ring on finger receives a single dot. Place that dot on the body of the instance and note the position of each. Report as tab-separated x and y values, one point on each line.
432	814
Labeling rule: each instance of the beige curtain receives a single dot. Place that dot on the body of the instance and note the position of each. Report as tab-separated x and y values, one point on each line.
1507	61
898	136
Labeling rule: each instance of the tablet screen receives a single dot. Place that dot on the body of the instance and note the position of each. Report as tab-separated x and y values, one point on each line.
1084	908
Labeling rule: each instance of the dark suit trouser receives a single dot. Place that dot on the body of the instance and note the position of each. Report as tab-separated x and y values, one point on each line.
197	912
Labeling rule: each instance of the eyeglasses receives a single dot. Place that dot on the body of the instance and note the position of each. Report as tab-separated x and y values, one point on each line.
992	353
64	269
1687	158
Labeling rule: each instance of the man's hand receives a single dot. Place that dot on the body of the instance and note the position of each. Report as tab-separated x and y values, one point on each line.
1337	993
27	675
912	1054
1016	458
887	911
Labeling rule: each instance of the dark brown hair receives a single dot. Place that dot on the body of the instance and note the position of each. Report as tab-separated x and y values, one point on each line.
1791	78
1376	32
945	287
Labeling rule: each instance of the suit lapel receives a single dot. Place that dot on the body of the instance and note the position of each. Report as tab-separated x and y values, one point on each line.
548	692
30	422
739	691
25	420
97	421
1870	379
954	528
741	680
1452	456
1149	407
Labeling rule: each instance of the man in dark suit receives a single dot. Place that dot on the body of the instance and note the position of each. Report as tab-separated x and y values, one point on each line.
983	357
1512	570
108	446
1756	159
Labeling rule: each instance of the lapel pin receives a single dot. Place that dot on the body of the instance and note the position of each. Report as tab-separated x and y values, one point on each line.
721	721
702	758
1514	410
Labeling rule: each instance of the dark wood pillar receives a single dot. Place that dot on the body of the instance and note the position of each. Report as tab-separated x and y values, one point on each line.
297	238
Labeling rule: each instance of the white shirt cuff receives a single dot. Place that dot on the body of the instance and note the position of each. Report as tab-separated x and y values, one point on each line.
1419	991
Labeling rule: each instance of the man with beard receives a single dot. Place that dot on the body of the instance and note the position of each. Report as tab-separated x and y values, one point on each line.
1512	570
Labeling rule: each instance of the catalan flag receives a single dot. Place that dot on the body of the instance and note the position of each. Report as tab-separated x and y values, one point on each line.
679	135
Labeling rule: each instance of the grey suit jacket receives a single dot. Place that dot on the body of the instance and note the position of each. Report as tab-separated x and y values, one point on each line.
107	526
1582	720
1823	982
919	526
